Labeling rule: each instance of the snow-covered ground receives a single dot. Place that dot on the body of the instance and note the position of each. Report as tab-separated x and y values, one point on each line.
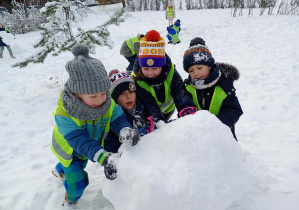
263	48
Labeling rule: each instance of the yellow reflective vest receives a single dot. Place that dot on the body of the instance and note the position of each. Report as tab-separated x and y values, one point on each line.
130	42
168	104
170	12
60	147
218	96
174	38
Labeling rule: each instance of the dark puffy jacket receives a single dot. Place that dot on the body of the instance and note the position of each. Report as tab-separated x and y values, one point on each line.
137	121
230	110
177	91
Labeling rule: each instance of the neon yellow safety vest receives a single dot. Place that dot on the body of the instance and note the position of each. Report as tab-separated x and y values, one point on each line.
5	29
168	104
174	38
60	147
176	28
170	12
130	43
218	96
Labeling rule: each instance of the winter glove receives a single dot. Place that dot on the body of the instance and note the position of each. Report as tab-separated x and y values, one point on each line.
129	135
150	126
187	111
109	164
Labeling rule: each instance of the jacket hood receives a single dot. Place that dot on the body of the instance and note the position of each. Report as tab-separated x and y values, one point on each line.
229	71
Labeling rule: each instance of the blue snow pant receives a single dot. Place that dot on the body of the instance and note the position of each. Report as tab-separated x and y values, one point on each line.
7	47
130	66
76	179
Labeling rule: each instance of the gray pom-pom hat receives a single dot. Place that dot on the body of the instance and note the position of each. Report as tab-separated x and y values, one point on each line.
86	75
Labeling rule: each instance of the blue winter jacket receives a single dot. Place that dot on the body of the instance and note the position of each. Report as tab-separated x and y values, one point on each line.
177	91
171	32
85	140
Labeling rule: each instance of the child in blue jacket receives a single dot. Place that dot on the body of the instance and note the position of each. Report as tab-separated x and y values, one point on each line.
84	116
176	26
173	36
159	86
210	84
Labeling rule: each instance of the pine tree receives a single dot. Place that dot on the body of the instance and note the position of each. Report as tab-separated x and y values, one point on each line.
61	31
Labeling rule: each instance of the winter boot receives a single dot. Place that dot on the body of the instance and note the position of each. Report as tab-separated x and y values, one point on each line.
12	56
170	42
1	56
69	202
58	175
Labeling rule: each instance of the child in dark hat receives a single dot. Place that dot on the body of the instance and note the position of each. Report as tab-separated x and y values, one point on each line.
123	92
84	116
176	26
210	84
159	86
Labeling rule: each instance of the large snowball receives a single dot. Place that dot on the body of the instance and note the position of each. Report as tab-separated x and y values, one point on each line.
191	163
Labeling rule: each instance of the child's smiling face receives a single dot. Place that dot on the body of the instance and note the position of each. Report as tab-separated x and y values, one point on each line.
151	72
127	99
199	71
93	100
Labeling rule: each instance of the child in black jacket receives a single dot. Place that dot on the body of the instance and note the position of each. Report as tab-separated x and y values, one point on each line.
159	85
211	85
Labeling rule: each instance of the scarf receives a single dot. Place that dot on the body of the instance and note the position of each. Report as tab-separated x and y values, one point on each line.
211	80
78	109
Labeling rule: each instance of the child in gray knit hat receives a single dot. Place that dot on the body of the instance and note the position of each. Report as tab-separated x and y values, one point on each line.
84	116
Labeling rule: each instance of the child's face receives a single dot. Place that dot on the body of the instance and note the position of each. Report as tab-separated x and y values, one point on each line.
199	71
127	99
151	72
93	100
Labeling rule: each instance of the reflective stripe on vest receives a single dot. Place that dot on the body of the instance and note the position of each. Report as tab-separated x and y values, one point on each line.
62	150
170	12
218	96
174	38
168	104
130	43
176	28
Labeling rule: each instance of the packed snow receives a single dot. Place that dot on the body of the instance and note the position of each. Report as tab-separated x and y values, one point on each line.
191	163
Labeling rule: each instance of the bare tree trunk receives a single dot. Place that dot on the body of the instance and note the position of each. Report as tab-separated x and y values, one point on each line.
124	3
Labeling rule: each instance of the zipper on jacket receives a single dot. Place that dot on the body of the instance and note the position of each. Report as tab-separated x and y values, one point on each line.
94	128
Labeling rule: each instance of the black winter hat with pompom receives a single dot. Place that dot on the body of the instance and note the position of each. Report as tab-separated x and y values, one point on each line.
86	75
197	53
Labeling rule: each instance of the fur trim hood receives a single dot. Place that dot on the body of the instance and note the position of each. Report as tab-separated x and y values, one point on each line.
229	71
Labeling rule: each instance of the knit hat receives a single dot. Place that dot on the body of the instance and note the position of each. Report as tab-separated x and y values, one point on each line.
120	82
152	50
86	75
197	54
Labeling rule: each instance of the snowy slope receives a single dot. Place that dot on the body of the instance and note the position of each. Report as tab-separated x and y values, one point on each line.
263	48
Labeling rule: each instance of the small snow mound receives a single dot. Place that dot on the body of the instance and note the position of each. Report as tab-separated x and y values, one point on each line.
191	163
